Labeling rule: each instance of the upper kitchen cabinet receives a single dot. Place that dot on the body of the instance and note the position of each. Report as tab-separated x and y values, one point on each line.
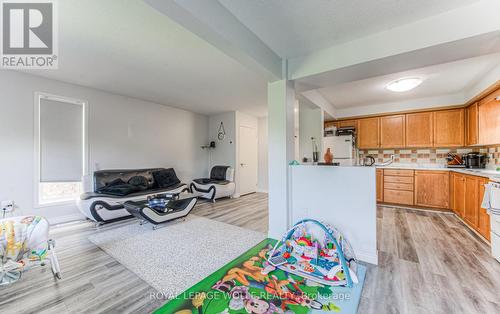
347	123
368	133
419	129
449	128
330	124
471	125
392	131
489	119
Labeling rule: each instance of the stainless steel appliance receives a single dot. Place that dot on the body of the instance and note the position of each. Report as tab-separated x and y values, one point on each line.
475	160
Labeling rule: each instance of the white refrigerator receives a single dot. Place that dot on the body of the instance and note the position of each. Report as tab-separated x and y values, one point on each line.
342	148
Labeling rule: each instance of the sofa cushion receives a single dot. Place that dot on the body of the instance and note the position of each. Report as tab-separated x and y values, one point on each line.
206	181
218	173
178	188
165	178
118	187
140	182
104	177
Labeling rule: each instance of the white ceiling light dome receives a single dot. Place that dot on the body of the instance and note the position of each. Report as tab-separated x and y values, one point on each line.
404	84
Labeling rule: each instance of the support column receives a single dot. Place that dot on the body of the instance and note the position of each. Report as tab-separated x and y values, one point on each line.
281	98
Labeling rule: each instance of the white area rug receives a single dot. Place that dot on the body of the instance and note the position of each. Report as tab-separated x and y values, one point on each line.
175	257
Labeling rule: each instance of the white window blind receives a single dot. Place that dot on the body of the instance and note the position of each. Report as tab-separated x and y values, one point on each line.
61	141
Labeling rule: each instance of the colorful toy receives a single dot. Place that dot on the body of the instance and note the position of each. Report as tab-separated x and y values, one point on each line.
251	285
317	252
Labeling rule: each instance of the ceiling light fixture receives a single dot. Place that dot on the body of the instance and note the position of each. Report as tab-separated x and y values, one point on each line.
404	84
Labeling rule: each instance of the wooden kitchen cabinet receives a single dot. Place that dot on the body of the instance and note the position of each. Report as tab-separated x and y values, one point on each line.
466	197
380	185
459	194
329	124
452	188
449	128
471	125
419	129
368	133
489	119
392	131
432	189
471	211
483	225
398	186
347	123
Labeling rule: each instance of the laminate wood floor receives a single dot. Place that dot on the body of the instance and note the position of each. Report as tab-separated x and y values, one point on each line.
428	263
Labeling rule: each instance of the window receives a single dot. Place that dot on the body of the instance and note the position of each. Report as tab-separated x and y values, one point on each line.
61	148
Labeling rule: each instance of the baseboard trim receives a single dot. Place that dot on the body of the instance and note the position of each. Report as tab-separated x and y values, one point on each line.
66	218
368	257
427	210
262	191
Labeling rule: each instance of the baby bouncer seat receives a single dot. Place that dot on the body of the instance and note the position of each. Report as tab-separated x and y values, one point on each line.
24	244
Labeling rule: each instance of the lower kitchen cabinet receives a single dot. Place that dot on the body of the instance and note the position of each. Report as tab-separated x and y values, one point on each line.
467	194
432	189
471	200
458	194
462	193
483	225
380	185
398	186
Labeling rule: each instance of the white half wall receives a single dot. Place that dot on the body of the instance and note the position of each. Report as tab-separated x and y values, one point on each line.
123	133
344	197
263	175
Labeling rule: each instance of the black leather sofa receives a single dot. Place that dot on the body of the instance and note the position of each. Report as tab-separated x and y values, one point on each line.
112	188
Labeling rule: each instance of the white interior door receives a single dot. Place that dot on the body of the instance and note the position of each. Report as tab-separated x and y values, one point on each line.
248	160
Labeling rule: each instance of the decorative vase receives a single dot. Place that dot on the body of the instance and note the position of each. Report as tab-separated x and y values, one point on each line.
328	156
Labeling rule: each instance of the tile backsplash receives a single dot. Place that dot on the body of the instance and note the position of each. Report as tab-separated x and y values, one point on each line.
430	155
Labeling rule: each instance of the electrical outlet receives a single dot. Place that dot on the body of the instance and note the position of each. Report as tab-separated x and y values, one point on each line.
7	206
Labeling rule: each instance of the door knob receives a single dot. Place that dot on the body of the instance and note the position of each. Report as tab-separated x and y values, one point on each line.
242	165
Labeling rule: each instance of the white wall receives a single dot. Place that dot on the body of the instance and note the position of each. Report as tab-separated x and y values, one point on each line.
123	133
224	153
310	125
263	175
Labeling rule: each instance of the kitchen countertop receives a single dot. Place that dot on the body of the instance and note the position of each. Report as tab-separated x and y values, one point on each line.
487	173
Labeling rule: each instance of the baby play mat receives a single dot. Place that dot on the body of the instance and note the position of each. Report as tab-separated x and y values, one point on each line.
241	287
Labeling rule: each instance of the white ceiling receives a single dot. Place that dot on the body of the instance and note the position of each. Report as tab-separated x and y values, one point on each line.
131	49
444	79
297	27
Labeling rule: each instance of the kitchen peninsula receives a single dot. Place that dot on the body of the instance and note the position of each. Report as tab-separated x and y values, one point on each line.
344	197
